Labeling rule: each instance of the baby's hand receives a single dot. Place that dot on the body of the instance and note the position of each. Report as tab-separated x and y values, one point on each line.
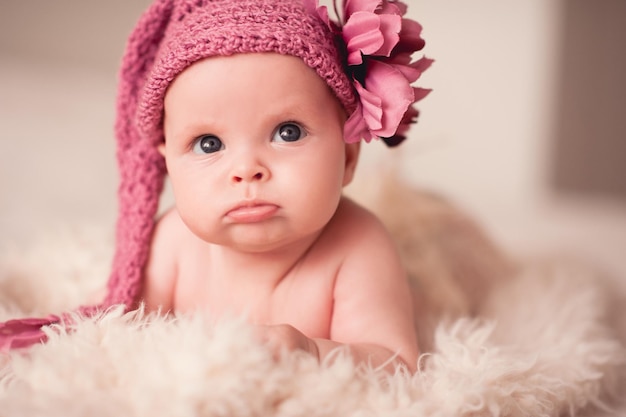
283	337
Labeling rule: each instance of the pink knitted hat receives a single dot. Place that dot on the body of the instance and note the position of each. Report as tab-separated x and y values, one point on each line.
365	60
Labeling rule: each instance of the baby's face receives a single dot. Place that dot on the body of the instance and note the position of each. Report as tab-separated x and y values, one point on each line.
254	150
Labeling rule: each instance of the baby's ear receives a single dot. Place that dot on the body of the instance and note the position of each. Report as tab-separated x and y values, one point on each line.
161	149
352	157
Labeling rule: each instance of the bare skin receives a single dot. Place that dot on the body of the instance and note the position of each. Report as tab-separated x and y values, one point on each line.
260	228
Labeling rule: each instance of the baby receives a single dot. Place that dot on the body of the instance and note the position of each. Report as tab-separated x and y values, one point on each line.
255	109
260	226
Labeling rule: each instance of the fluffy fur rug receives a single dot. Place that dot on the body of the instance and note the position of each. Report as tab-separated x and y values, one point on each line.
500	339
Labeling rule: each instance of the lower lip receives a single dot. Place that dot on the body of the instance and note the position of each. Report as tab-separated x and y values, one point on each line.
252	214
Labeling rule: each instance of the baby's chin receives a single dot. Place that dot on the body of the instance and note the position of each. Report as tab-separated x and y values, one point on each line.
256	239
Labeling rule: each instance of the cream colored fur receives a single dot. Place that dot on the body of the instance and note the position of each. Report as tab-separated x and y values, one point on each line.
501	338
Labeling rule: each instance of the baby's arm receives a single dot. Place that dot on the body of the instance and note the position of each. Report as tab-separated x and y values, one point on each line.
160	272
373	312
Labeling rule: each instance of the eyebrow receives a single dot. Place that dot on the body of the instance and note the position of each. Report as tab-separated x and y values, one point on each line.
192	129
292	109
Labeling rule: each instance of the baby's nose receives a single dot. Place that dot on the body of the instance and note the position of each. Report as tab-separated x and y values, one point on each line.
250	172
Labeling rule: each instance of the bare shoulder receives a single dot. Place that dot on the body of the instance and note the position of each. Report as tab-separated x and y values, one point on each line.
366	245
169	231
372	295
160	272
359	228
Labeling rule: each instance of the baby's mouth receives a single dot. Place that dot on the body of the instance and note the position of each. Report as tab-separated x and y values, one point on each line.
252	212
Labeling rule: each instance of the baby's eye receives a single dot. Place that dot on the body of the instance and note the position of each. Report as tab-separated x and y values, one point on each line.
207	144
289	132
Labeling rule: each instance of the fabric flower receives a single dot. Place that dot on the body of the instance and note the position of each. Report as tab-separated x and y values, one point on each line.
379	44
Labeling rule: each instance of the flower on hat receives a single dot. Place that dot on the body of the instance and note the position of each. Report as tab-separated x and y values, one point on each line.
379	44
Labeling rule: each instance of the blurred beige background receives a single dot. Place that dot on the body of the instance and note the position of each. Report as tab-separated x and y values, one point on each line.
525	127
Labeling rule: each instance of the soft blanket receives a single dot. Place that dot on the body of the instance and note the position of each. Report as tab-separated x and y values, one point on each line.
500	338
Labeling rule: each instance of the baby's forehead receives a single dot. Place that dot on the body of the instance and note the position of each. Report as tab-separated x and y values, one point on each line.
255	68
258	90
270	75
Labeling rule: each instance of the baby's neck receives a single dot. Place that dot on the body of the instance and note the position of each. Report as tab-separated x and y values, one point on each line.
265	268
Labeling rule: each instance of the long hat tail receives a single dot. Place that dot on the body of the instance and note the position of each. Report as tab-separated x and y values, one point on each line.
141	167
142	172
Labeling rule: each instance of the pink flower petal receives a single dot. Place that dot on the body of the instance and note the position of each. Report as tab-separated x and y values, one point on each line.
390	26
372	107
353	6
420	93
354	127
412	71
411	74
362	36
390	8
370	34
403	58
380	43
410	37
422	64
402	8
313	7
322	12
396	94
409	117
